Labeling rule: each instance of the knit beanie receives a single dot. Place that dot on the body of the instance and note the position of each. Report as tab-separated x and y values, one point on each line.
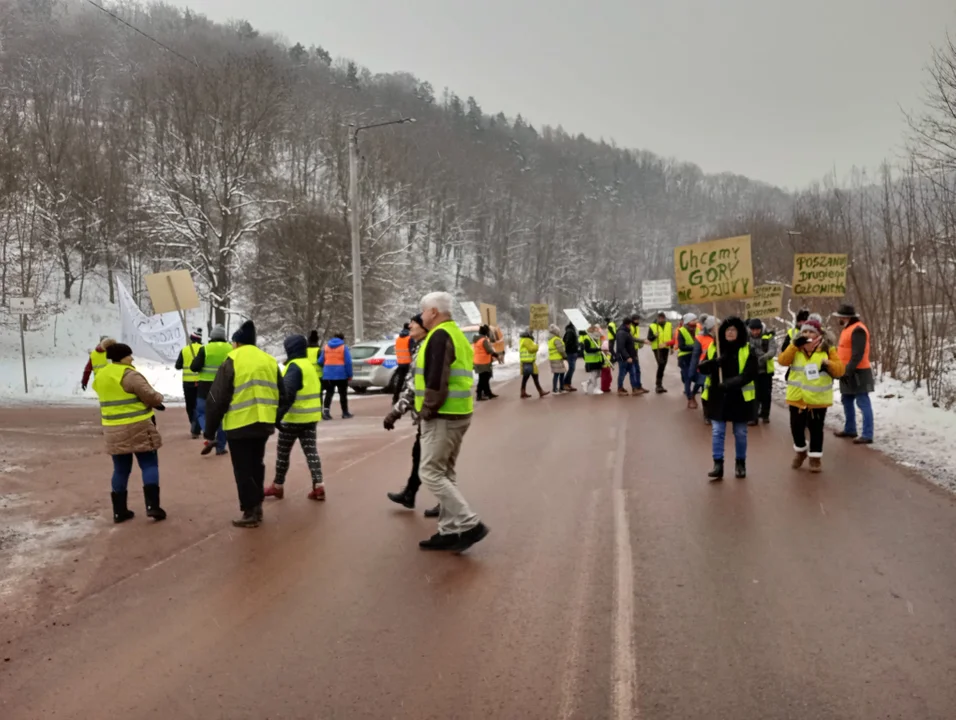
196	335
417	319
689	318
118	351
218	334
812	323
755	324
314	338
710	323
246	334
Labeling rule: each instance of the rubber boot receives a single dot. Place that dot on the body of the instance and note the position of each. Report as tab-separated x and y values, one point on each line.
799	459
121	513
740	469
717	474
153	510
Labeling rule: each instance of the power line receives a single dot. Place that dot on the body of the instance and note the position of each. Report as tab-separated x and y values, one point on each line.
145	35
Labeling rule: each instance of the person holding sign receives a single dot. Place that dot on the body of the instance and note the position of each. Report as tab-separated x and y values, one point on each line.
813	365
729	393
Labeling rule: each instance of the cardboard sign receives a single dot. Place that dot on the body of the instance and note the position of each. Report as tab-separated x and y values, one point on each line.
820	274
471	312
172	291
540	317
489	314
576	318
767	302
657	294
713	271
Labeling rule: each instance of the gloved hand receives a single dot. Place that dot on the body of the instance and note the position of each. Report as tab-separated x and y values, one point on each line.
389	422
160	407
801	341
83	387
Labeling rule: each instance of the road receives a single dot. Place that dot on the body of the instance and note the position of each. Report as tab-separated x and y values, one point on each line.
616	583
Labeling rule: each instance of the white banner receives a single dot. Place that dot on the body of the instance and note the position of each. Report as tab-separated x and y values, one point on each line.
576	318
471	312
657	294
156	337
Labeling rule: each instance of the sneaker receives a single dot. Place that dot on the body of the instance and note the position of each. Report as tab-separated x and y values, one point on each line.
525	396
765	421
402	498
347	416
433	512
195	436
440	542
492	396
643	391
863	441
635	393
276	491
468	538
318	493
752	423
207	448
621	391
544	393
570	389
220	453
249	519
844	434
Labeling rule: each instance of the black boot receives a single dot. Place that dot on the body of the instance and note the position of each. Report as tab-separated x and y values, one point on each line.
120	512
717	474
248	519
740	469
433	512
404	498
153	510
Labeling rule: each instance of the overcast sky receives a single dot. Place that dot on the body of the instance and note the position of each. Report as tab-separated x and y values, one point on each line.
779	90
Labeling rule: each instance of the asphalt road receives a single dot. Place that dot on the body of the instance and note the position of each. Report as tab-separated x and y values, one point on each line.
616	583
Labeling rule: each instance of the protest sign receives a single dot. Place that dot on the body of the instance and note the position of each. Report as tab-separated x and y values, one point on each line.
820	274
576	318
713	271
657	294
471	312
539	317
767	301
489	314
155	337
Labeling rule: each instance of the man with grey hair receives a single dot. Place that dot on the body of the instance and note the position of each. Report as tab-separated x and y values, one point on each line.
444	401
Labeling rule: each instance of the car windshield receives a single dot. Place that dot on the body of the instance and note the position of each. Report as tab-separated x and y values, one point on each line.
361	352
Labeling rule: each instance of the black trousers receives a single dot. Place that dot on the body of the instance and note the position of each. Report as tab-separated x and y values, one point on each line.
190	392
764	386
330	387
524	381
802	421
414	481
484	385
661	357
398	382
248	466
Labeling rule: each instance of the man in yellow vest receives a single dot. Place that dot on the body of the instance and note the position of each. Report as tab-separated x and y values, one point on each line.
206	364
96	361
312	354
304	397
191	379
248	398
444	375
661	335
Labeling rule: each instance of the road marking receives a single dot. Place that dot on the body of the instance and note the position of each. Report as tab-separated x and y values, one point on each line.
623	663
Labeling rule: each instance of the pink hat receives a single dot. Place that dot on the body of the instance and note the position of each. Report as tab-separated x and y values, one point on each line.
815	324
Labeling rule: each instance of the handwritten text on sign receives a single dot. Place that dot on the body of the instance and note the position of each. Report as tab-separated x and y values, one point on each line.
539	317
715	270
819	274
766	302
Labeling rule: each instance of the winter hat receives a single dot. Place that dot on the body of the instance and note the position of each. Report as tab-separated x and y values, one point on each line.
812	324
196	335
816	316
314	338
106	342
802	315
295	346
710	323
688	318
246	334
555	330
846	311
755	324
117	351
218	334
417	319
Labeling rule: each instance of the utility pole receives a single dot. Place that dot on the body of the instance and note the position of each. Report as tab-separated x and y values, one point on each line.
355	223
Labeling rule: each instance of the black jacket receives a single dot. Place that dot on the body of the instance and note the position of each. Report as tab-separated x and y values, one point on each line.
219	398
571	340
624	343
725	397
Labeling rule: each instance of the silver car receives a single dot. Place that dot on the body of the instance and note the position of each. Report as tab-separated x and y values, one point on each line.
373	365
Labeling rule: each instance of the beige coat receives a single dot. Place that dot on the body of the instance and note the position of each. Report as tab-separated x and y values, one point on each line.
143	435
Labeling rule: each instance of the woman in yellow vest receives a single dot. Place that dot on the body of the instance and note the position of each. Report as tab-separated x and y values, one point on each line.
127	402
813	364
729	393
304	397
528	350
556	357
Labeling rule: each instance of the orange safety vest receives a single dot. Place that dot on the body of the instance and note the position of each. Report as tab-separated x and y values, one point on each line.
402	351
705	341
334	356
482	356
845	348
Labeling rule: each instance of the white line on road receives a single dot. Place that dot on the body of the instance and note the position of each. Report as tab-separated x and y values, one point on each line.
623	663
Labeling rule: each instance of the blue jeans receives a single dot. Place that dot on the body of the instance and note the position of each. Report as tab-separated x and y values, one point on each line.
123	466
632	370
201	418
719	434
572	361
863	402
557	382
683	362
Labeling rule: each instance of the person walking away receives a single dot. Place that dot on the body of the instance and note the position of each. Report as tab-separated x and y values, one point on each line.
764	345
127	402
685	349
729	393
206	364
593	360
191	379
627	360
611	335
485	356
659	333
528	350
96	361
312	355
572	349
336	360
557	354
300	414
813	364
444	402
403	353
247	398
857	382
406	404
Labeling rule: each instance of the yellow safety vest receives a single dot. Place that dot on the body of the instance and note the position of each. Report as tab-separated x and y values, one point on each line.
800	388
528	350
118	407
215	355
636	331
688	338
750	390
592	350
307	407
460	399
611	330
553	352
98	360
312	354
255	394
663	333
189	354
771	365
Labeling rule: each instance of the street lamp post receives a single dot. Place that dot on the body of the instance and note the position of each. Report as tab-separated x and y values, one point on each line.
355	223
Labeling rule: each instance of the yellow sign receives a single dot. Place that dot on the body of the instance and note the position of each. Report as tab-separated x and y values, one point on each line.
767	301
172	291
489	314
539	317
820	274
714	270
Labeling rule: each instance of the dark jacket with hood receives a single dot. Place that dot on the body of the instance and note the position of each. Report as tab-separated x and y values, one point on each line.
725	402
571	341
624	344
295	347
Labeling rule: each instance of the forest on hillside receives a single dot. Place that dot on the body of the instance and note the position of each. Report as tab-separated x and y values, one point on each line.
226	152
